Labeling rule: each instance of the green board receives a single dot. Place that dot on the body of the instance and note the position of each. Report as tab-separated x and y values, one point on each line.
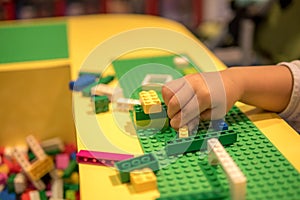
189	176
32	41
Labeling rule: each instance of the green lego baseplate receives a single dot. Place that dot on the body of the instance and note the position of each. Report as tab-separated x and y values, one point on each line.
190	176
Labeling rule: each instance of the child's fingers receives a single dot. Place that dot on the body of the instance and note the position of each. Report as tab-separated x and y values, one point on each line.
170	88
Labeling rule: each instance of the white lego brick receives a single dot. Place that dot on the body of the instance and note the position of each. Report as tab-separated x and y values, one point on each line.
181	61
53	144
34	195
2	186
35	147
53	173
39	184
183	132
218	155
103	89
57	189
21	159
125	104
155	81
20	183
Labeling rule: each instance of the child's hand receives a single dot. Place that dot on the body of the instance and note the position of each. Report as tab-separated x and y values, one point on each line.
198	97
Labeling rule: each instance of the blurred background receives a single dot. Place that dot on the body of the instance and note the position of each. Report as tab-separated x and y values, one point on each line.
239	32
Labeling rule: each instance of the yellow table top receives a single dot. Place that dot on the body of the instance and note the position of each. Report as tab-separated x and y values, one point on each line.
98	182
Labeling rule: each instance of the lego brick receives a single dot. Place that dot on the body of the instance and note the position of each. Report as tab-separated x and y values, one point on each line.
219	125
155	81
57	190
96	74
181	61
4	168
82	82
218	155
40	168
35	147
143	180
34	194
126	104
70	169
139	114
126	166
5	195
62	161
102	89
183	132
10	183
20	183
43	195
198	142
70	195
100	158
100	103
106	79
150	102
3	178
74	187
53	144
86	92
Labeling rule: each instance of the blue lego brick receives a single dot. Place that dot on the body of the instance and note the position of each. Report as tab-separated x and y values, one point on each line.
126	166
219	125
5	195
82	82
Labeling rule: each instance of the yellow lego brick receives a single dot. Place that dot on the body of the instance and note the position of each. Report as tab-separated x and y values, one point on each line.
40	168
183	132
150	102
143	180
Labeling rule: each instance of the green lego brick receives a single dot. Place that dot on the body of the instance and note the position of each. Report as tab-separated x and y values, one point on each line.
70	194
69	186
43	195
10	183
139	114
73	166
126	166
90	73
86	92
101	103
106	79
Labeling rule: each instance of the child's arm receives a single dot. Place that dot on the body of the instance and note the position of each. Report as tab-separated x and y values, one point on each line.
211	95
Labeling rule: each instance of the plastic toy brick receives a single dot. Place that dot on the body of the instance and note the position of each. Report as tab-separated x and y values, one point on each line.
20	183
3	178
218	155
86	92
74	187
139	114
198	142
155	81
102	89
143	180
219	125
57	189
53	144
96	74
101	104
40	168
125	104
62	161
35	147
34	194
106	79
100	158
4	168
43	195
183	132
70	195
181	61
70	169
82	82
144	161
150	102
10	183
5	195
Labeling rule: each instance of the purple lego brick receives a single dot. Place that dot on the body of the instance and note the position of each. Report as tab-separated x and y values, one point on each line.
100	158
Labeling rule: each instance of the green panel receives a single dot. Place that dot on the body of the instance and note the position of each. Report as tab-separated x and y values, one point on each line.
189	175
32	41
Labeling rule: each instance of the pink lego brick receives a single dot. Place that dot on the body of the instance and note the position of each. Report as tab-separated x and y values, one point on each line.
62	161
3	178
100	158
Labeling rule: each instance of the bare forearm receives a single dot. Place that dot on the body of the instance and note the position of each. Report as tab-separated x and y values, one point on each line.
267	87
